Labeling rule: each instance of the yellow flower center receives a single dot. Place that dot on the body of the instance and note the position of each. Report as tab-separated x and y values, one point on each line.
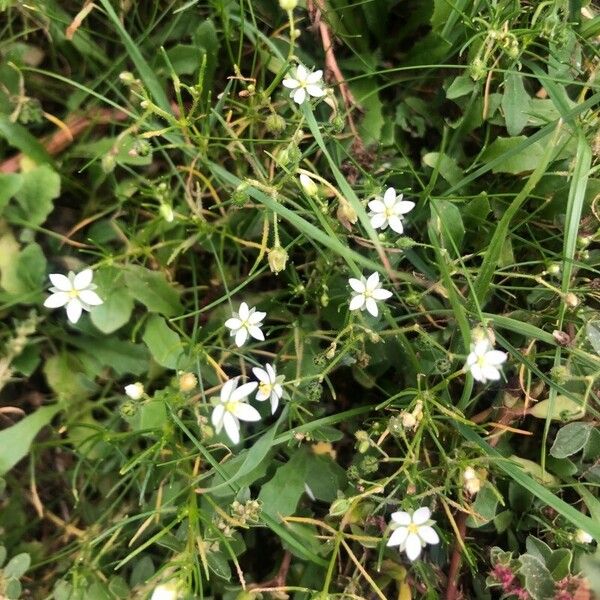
229	406
73	293
412	528
389	211
265	388
481	361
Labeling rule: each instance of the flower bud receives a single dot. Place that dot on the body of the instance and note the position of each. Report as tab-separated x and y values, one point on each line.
275	123
571	300
346	214
583	537
166	591
108	163
308	185
166	212
135	390
187	382
471	481
339	507
277	258
126	77
288	5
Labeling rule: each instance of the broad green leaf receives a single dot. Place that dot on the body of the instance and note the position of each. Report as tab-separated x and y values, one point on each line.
371	123
515	103
18	137
324	477
446	166
484	506
122	356
448	222
150	415
538	581
514	160
152	289
562	409
17	565
164	343
34	199
114	312
533	469
570	439
65	376
461	86
16	441
10	184
31	267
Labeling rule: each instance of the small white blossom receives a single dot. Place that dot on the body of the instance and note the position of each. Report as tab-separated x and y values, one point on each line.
233	408
308	185
471	481
483	362
135	390
74	291
367	293
247	321
389	210
166	591
583	537
412	532
269	386
305	83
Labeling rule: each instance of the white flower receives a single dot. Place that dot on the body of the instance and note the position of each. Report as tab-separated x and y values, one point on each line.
269	386
471	481
166	591
74	291
389	210
135	390
308	185
304	82
368	293
247	321
483	361
233	408
583	537
413	532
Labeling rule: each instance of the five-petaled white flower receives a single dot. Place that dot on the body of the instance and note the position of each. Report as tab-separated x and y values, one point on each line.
247	321
368	293
484	361
74	291
412	532
305	83
233	408
389	210
135	390
269	385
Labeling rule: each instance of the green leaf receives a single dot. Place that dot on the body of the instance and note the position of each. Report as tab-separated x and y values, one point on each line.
538	581
324	477
461	86
164	343
64	374
152	289
31	267
10	183
39	188
570	439
17	565
515	103
561	409
592	332
448	223
446	166
280	495
16	135
122	356
372	122
151	415
513	159
17	439
485	507
114	312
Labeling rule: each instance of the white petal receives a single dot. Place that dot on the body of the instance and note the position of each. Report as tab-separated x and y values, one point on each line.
315	76
241	336
256	317
398	537
278	390
272	372
228	388
402	518
301	73
495	357
396	224
90	297
261	374
378	220
274	403
232	428
57	300
256	333
291	84
261	395
490	372
482	346
243	391
315	91
74	309
401	208
299	96
412	546
357	285
372	281
372	307
471	359
477	373
245	412
421	515
377	206
389	198
217	417
83	279
233	323
60	282
429	534
243	312
381	294
357	302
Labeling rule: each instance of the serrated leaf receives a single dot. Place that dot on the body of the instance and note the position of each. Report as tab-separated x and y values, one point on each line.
164	343
515	103
570	439
152	289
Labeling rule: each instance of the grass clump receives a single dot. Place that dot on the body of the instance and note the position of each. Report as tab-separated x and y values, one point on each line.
299	300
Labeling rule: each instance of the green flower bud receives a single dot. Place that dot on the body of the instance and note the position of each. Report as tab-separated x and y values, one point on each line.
277	258
288	5
108	163
275	123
